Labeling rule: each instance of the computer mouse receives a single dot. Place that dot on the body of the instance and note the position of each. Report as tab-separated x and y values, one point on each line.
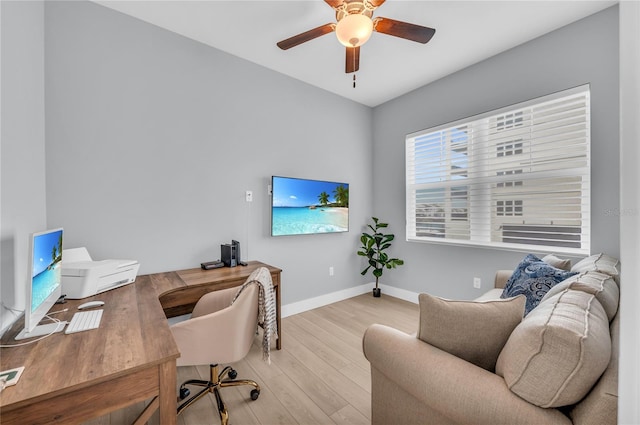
90	304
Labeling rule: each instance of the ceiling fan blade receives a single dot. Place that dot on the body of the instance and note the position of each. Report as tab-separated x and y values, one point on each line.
334	3
306	36
376	3
353	59
404	30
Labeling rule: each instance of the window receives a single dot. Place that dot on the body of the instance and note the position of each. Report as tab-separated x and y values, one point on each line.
516	178
509	208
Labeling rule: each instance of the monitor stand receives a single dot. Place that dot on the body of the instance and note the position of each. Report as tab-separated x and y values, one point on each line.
41	330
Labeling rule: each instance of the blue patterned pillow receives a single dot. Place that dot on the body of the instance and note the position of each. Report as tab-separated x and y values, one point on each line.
533	278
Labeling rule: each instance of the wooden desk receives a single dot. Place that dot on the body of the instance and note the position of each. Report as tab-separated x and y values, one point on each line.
69	379
179	291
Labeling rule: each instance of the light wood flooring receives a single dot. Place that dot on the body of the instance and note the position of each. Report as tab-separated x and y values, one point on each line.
319	377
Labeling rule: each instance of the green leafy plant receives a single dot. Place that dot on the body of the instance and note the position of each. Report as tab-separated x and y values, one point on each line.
373	247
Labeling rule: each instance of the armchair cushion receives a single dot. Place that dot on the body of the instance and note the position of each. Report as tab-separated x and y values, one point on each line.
558	352
533	278
475	331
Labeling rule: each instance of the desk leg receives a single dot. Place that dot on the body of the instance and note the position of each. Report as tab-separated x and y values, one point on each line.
278	321
167	398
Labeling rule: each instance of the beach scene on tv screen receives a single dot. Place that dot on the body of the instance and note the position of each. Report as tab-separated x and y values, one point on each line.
309	206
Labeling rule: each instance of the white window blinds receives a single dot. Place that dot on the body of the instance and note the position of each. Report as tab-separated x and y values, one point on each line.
516	178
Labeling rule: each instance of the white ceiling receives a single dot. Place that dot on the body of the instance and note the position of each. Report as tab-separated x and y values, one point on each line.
466	33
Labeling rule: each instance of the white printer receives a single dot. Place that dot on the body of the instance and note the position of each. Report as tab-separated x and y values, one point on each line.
83	277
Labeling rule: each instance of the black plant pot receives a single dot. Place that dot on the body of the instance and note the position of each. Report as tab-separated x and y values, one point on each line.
376	292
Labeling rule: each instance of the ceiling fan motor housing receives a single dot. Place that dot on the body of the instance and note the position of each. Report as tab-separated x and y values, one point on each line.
352	7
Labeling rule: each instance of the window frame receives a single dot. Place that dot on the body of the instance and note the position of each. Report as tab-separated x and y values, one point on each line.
511	117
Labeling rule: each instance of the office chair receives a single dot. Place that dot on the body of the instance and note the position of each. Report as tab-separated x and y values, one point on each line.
218	332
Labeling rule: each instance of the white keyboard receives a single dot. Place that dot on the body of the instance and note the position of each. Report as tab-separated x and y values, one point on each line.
83	321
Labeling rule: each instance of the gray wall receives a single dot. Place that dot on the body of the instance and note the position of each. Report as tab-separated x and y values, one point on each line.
22	149
153	138
583	52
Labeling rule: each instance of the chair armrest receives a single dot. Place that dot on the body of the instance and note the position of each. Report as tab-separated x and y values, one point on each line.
502	276
447	384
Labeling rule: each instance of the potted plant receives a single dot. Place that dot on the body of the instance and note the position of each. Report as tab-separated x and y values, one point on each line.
373	247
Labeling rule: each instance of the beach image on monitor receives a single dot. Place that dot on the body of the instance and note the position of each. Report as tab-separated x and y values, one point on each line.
46	267
302	206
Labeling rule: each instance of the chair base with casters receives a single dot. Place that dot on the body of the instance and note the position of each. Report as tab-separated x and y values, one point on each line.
213	385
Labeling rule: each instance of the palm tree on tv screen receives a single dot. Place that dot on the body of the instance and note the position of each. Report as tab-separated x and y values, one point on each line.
323	198
341	194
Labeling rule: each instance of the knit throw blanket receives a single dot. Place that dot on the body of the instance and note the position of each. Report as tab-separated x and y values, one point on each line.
266	308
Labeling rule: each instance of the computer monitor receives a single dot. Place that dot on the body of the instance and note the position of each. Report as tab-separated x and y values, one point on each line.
44	282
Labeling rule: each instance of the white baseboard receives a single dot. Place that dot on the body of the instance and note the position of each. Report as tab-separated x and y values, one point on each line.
403	294
322	300
177	319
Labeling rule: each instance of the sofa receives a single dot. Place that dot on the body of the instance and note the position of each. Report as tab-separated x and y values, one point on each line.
481	362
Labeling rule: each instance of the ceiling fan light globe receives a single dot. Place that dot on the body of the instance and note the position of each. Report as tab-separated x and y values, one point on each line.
354	30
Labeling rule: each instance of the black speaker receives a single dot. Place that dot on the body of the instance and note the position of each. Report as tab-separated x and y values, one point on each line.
228	255
238	255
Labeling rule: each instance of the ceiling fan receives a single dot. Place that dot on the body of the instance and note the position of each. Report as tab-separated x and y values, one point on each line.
354	27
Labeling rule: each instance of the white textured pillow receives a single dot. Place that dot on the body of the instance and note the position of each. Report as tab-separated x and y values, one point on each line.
558	352
475	331
602	263
599	284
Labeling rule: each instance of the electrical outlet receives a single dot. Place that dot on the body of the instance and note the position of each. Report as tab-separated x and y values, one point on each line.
477	282
248	196
331	271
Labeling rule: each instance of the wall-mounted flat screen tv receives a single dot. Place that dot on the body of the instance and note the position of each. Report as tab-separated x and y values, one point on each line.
302	207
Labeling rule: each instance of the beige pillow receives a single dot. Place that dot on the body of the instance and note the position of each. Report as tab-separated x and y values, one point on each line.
558	352
475	331
602	263
599	284
558	263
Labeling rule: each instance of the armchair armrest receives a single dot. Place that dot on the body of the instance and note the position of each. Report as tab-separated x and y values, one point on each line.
448	385
502	276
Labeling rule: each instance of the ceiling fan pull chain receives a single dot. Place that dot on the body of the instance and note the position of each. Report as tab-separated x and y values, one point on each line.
354	80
